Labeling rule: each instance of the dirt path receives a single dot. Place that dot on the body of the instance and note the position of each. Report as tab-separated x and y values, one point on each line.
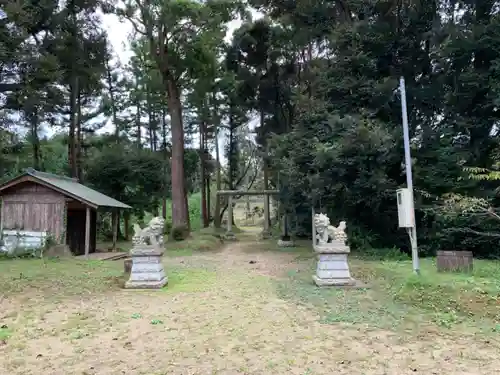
236	325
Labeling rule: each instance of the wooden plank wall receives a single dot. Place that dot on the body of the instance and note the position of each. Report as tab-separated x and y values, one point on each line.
34	207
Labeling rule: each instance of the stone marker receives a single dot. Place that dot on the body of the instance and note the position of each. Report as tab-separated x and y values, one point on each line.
284	242
127	266
147	269
330	247
285	239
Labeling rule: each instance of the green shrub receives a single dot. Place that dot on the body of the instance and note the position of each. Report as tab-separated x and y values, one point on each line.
392	253
194	202
180	233
167	228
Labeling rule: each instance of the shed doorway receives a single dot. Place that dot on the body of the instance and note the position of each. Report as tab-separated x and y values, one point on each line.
75	229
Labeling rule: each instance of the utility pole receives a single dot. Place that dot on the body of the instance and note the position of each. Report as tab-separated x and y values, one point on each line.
412	232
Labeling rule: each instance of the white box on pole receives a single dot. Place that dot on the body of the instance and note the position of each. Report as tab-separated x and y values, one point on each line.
405	208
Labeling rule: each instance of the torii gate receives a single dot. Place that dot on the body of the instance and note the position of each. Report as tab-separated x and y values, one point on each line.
231	193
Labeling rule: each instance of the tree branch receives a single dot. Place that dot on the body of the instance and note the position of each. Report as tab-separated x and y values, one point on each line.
472	231
134	23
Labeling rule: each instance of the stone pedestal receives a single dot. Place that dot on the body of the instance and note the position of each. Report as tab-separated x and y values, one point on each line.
286	243
332	268
229	236
265	234
147	270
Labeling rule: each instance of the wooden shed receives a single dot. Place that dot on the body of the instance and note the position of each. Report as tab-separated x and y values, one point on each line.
44	202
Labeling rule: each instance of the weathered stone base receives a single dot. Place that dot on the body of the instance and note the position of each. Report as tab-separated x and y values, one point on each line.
283	243
346	283
335	247
147	270
127	266
229	236
146	284
332	268
333	282
265	235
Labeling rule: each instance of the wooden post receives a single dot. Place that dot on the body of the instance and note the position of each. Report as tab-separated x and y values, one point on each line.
266	213
230	213
64	228
209	214
1	218
313	229
87	232
126	217
115	227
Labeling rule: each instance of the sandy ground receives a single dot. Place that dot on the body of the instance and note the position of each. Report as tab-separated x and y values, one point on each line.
237	325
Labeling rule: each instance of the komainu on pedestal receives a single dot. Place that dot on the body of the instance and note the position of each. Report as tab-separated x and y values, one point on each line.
147	269
330	246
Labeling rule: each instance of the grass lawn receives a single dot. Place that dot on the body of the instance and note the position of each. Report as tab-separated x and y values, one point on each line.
248	308
396	298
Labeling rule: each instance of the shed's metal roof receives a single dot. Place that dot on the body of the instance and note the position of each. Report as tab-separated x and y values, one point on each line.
75	189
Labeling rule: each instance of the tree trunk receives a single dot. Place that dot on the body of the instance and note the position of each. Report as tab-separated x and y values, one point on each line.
204	215
113	102
35	140
79	138
266	168
180	213
218	181
207	184
206	179
231	154
165	160
138	125
114	228
155	138
138	120
247	198
74	89
126	223
218	177
285	226
73	124
150	120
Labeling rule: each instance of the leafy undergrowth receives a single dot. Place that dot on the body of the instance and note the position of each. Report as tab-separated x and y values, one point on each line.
5	332
395	297
449	297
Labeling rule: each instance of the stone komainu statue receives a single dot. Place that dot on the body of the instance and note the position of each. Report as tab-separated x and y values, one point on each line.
152	234
325	232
